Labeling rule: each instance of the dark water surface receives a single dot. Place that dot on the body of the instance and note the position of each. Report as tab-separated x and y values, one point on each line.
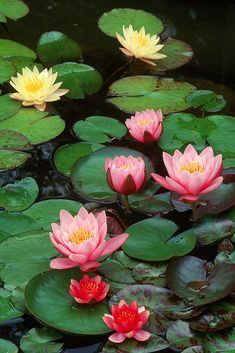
208	26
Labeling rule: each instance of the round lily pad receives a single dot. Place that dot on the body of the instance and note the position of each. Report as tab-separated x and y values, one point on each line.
82	175
7	346
40	340
180	336
11	48
208	100
47	298
8	107
6	70
112	21
151	240
13	9
220	342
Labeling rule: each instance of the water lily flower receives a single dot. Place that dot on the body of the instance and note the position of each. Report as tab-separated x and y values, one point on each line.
140	45
146	126
82	240
125	175
36	88
127	321
88	290
191	174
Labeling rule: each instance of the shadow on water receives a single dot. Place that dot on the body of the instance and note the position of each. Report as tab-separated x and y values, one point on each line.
207	25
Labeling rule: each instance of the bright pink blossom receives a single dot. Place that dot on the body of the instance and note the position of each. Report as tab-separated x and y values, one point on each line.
191	174
82	240
125	175
88	290
146	127
127	321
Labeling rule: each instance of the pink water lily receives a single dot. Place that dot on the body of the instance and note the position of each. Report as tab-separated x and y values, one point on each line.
125	175
146	126
190	173
82	240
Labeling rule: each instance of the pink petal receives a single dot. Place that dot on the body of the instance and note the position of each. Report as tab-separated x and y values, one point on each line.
65	217
117	337
142	335
108	319
162	181
80	259
213	185
113	244
90	265
189	197
62	263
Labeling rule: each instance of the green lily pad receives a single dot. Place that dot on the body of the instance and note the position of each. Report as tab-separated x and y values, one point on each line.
99	128
139	93
112	21
39	340
207	100
67	155
116	272
153	344
194	349
229	163
11	48
45	291
146	273
3	19
97	189
48	211
20	62
220	342
150	204
35	125
178	53
55	47
12	159
7	309
8	107
14	9
20	195
6	70
7	346
17	223
80	79
151	240
180	336
21	252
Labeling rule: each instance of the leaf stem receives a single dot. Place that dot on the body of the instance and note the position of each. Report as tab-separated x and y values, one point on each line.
126	203
195	211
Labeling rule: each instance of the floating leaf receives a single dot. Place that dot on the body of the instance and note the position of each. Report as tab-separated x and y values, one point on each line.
48	211
194	349
116	272
55	47
17	223
7	309
45	291
6	70
152	240
99	128
11	48
7	346
180	336
139	93
14	9
113	21
12	159
39	340
97	189
80	79
67	155
220	342
20	195
229	163
146	273
207	100
8	107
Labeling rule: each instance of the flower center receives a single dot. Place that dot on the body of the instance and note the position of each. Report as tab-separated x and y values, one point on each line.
90	287
126	316
33	84
80	236
192	167
144	122
126	167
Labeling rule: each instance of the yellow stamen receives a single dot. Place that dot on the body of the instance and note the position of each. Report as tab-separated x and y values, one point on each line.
34	84
80	236
90	287
126	167
192	167
144	122
126	316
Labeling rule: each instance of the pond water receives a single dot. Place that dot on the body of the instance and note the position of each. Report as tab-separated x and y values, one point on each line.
207	26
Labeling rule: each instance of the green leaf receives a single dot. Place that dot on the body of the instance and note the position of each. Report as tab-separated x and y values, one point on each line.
6	70
7	309
229	163
39	340
56	47
12	159
17	223
11	48
45	291
139	93
143	202
223	342
97	189
113	21
99	128
208	100
48	211
7	346
146	273
151	240
180	336
2	18
116	272
14	9
20	195
8	107
22	252
80	79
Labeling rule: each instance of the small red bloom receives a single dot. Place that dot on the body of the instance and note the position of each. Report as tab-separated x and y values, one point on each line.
88	290
127	321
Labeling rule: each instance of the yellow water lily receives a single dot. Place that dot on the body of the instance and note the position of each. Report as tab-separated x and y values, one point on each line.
140	45
36	88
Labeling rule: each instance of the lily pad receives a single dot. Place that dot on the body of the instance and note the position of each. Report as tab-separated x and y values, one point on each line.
20	195
80	79
8	107
67	155
14	9
48	211
180	336
17	223
116	272
99	128
113	21
45	291
39	340
139	93
6	70
7	346
146	273
7	309
12	159
220	342
194	349
153	344
97	189
11	48
55	47
207	100
152	240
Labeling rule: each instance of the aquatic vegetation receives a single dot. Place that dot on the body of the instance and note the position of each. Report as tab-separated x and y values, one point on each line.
127	321
82	240
140	45
146	126
36	88
88	289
